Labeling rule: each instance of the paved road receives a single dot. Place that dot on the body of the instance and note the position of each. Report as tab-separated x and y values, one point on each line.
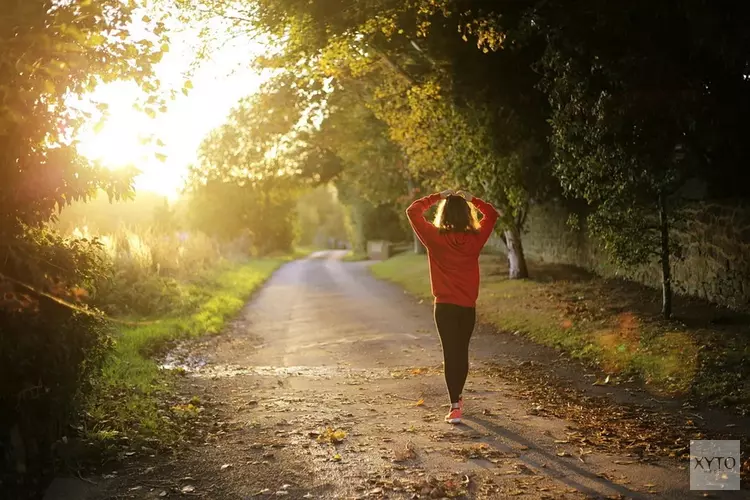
325	346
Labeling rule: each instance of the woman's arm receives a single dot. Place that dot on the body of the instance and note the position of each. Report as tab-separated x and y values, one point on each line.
489	218
422	227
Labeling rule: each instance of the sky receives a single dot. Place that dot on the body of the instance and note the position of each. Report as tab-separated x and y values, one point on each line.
218	84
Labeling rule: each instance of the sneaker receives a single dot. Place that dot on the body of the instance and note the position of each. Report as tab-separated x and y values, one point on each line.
454	417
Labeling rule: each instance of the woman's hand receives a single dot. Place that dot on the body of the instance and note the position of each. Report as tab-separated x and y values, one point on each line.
465	195
447	193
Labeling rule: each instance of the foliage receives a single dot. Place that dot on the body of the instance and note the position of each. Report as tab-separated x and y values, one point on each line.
54	51
49	353
145	269
130	401
262	213
433	96
50	358
320	217
99	215
634	110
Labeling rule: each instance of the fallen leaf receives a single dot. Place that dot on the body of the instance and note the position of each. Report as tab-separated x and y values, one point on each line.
419	403
225	466
188	489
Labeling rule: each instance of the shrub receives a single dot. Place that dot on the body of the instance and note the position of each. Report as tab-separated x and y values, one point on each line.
48	361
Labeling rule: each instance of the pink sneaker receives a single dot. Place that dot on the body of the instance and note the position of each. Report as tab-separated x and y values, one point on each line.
454	417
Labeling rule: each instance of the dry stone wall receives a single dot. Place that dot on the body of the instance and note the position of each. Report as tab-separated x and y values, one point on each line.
715	241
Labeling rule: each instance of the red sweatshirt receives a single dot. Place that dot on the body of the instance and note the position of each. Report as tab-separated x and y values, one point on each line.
453	257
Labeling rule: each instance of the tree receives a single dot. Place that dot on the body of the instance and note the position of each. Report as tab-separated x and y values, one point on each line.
320	217
452	120
373	178
52	52
634	104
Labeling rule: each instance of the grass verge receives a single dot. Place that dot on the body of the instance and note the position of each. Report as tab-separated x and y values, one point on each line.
352	256
615	325
132	400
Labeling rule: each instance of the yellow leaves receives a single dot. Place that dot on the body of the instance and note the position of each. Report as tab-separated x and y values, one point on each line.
333	436
161	157
49	87
96	39
420	402
602	382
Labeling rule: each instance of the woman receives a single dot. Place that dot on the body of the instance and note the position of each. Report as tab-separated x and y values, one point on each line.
453	244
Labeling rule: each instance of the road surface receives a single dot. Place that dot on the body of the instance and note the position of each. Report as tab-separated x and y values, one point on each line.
329	386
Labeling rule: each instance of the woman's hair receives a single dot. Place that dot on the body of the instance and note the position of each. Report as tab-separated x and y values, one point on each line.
456	215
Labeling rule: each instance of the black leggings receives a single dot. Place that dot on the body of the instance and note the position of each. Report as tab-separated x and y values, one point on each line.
455	324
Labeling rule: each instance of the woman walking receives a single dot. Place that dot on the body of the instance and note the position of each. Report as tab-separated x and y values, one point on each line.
453	242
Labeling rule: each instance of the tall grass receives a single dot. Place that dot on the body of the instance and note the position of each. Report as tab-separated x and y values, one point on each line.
174	286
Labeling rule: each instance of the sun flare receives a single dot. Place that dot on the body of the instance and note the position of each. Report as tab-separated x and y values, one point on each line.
163	147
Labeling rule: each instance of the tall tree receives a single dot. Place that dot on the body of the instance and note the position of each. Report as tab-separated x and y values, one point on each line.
636	98
454	122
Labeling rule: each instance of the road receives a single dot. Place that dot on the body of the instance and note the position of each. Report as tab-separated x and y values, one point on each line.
323	345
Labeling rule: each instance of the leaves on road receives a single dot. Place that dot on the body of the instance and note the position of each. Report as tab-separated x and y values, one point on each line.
333	436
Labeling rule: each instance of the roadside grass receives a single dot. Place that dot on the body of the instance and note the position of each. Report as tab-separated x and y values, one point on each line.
704	353
352	256
133	399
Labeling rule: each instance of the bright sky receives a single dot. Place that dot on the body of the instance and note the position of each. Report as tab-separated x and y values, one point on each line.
218	84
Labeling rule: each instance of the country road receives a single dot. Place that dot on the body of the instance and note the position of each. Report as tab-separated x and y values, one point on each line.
329	386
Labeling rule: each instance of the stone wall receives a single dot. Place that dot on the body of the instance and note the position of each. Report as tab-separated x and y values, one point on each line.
715	264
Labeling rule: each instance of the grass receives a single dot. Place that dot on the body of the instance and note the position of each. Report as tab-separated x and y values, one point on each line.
133	396
615	325
352	256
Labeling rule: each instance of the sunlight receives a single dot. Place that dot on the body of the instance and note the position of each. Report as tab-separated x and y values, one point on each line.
162	148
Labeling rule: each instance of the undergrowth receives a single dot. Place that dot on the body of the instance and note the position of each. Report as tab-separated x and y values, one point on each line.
132	400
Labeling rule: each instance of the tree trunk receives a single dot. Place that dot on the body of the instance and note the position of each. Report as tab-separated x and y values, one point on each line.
418	247
357	228
516	260
666	273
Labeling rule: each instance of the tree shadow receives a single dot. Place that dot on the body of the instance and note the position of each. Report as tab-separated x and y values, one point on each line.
709	341
562	471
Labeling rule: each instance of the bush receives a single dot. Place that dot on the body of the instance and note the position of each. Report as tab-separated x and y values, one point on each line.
146	268
48	361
